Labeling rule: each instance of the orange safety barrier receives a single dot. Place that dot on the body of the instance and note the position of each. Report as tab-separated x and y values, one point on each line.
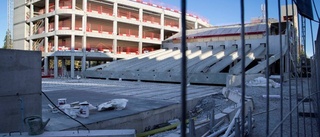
151	35
128	32
101	9
151	19
171	23
128	14
65	25
65	4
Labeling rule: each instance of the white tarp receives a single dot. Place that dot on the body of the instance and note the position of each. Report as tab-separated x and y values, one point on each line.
117	104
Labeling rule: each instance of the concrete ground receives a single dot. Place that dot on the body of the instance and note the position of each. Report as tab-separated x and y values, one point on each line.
149	103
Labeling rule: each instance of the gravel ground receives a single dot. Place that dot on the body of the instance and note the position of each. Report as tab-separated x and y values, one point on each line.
307	126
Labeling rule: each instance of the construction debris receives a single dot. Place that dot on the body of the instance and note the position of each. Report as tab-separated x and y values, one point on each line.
262	82
117	104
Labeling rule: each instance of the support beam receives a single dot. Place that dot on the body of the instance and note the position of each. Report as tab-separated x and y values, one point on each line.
46	6
55	66
251	56
46	66
227	61
205	64
72	66
261	66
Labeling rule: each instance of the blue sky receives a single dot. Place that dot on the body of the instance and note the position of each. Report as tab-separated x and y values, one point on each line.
218	12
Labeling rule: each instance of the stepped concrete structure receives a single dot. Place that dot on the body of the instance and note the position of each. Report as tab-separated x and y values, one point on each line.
213	56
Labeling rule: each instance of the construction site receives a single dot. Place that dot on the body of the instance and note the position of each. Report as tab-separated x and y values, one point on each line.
132	68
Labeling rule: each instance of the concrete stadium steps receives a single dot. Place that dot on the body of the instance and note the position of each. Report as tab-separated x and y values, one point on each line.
261	66
140	62
204	66
192	57
161	63
251	56
200	66
227	60
115	64
162	58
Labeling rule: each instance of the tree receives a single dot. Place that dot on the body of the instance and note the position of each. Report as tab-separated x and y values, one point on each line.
8	41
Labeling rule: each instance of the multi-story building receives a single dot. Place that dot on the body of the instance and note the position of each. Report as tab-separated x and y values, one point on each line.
91	30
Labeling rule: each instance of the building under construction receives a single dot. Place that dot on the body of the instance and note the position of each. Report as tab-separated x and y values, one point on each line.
93	30
214	56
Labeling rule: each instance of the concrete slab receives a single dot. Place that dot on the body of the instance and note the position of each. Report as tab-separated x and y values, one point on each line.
149	103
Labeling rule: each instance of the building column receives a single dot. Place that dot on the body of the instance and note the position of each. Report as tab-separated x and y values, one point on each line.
55	67
84	57
56	43
114	48
72	42
30	44
84	5
46	41
46	66
46	25
162	27
47	6
56	22
115	30
73	21
140	25
56	7
73	4
31	10
140	47
72	66
63	68
196	25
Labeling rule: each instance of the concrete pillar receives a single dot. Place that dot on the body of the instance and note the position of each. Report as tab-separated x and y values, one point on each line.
64	68
141	15
162	27
55	67
196	24
84	23
73	21
31	44
46	65
56	7
56	44
115	30
114	47
73	4
140	47
47	6
84	57
31	28
46	44
72	42
46	25
115	9
84	5
56	22
140	26
31	11
72	66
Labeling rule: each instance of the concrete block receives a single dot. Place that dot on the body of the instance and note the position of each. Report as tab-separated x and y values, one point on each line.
20	72
20	88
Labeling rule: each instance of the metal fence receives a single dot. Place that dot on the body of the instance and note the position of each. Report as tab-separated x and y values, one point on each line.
302	117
